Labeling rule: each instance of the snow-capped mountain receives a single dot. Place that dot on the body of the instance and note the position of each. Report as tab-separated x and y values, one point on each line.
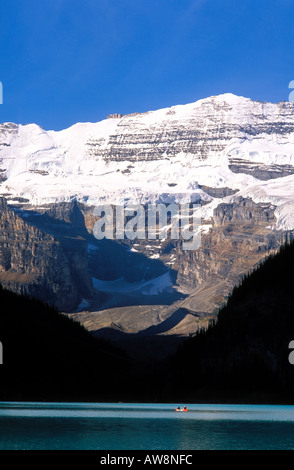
224	141
233	155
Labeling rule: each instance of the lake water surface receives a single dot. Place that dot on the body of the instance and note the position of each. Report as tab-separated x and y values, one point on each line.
118	426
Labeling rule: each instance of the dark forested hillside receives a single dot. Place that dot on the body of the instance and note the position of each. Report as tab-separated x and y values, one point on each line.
48	356
244	355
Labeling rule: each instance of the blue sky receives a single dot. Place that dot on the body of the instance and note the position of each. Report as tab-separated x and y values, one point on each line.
65	61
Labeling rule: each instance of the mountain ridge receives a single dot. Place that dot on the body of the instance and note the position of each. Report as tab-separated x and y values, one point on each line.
231	155
243	143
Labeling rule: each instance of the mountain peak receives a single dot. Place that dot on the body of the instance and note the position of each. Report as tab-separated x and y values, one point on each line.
230	98
224	141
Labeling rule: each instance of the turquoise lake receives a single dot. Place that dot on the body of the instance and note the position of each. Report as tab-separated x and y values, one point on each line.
120	426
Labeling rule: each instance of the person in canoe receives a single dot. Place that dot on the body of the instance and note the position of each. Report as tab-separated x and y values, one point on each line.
182	409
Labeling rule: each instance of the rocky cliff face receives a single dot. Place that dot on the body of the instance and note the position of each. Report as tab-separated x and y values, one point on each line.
240	237
203	130
37	264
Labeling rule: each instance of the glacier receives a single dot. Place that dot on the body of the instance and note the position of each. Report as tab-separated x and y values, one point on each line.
223	141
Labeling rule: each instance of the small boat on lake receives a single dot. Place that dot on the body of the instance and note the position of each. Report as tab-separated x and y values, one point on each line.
182	409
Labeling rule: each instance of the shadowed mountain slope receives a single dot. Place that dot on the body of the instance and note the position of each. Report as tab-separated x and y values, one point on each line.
244	355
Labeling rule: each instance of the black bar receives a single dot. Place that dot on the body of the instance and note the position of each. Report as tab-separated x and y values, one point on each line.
143	458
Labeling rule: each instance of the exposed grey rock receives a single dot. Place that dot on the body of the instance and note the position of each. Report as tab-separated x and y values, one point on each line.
38	264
